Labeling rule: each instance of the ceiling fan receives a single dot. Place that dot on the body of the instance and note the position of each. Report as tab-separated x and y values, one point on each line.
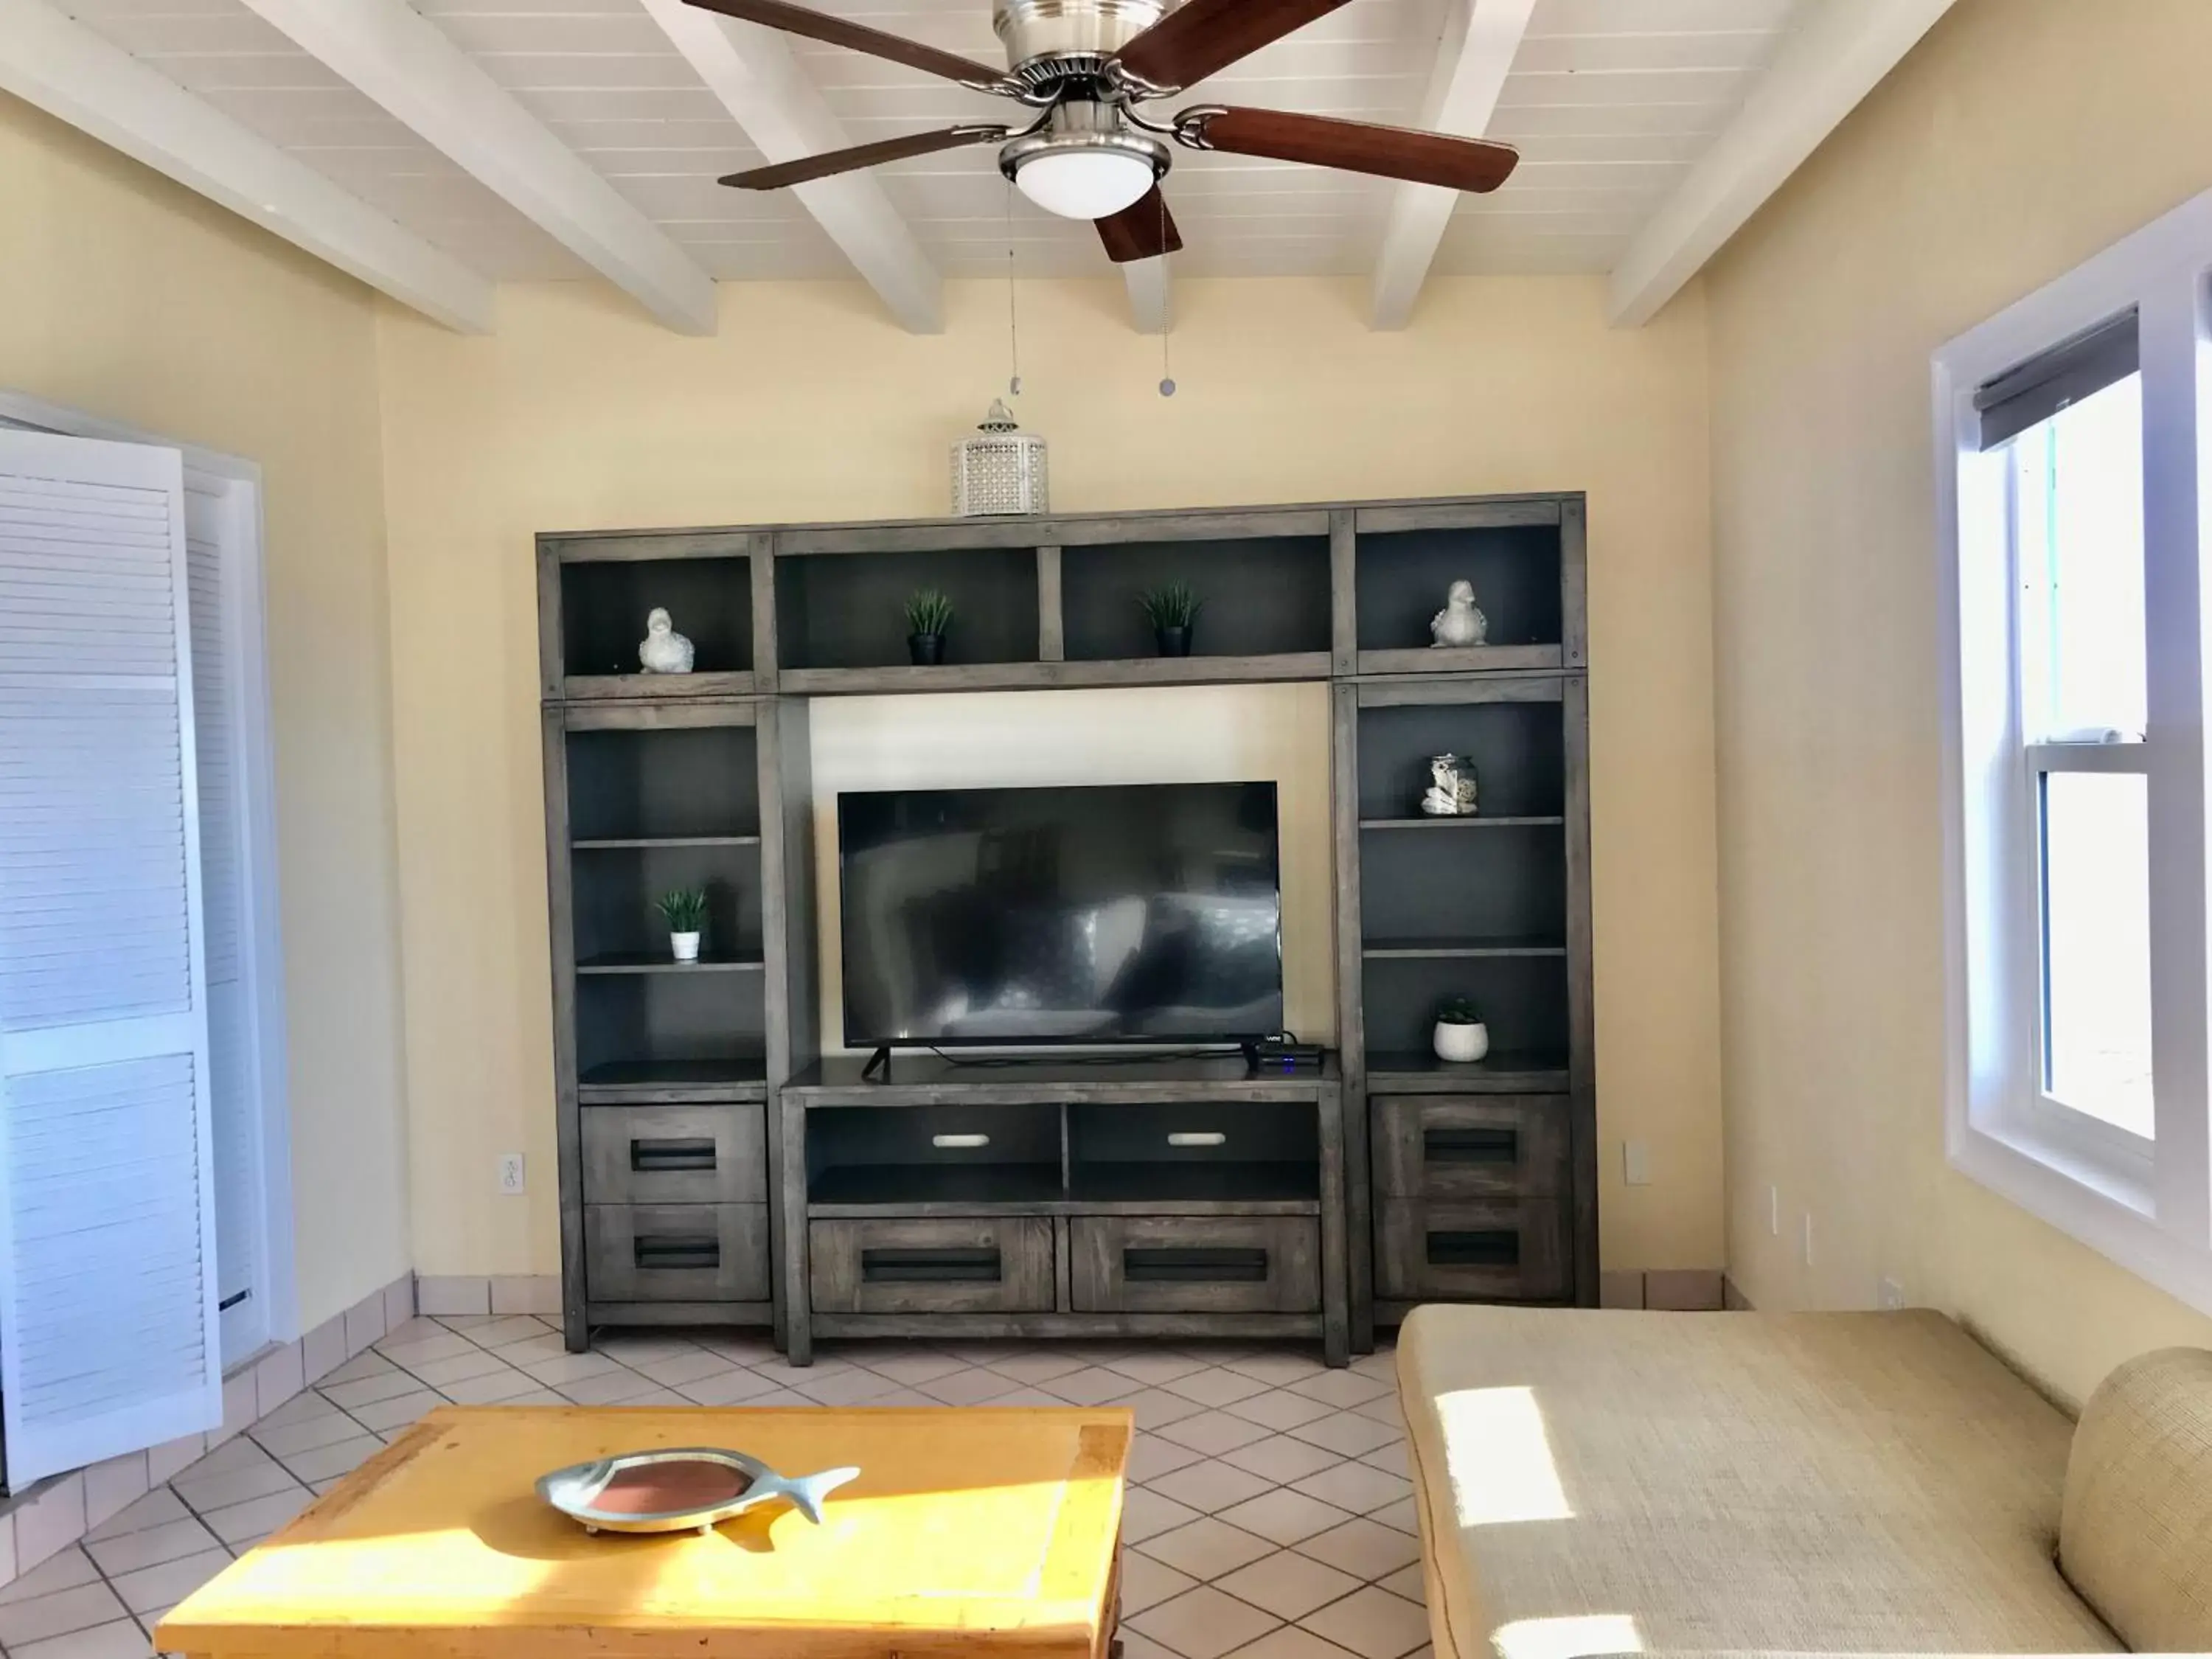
1087	65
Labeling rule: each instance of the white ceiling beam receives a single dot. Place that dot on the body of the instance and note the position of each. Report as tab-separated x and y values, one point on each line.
404	61
760	81
73	74
1837	53
1151	308
1481	38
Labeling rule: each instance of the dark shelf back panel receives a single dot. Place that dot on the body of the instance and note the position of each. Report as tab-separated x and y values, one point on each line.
1508	884
1267	596
632	1021
849	609
689	780
1250	1132
1403	577
615	890
1522	1000
604	607
1518	750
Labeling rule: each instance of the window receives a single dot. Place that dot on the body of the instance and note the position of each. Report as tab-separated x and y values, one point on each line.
2071	494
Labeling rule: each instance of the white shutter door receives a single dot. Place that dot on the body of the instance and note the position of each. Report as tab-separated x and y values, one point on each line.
107	1249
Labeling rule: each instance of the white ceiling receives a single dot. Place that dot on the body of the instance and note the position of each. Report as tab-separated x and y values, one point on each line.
1611	101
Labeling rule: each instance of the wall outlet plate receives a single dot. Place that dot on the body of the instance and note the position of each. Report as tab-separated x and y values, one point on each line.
1635	1163
1808	1238
510	1175
1774	1210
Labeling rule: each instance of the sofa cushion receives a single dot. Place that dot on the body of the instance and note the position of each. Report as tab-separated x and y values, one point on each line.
1596	1482
2136	1534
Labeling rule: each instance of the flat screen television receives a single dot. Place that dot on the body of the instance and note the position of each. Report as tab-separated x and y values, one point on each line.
1113	914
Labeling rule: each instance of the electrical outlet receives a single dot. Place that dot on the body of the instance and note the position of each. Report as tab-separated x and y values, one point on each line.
1808	1238
1891	1294
1774	1210
1635	1163
510	1173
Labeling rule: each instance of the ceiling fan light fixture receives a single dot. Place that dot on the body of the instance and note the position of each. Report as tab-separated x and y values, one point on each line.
1083	183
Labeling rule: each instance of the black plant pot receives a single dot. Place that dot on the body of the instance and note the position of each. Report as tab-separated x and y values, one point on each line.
928	650
1173	642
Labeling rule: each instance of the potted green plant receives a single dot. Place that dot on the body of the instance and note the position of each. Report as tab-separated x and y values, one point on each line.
929	614
1172	608
685	910
1459	1037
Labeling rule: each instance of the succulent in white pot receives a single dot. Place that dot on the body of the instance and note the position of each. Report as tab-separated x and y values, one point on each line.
1459	1035
685	910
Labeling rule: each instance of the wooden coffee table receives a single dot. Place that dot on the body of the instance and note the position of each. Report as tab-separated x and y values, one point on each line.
969	1530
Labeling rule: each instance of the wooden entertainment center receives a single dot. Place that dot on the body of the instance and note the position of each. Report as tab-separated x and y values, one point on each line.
723	1161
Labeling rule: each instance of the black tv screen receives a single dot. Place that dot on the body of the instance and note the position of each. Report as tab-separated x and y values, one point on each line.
1123	913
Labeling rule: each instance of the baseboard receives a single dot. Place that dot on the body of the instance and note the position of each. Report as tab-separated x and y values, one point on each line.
60	1509
1670	1290
450	1295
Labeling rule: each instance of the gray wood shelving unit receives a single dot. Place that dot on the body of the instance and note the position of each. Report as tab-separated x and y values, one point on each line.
715	1168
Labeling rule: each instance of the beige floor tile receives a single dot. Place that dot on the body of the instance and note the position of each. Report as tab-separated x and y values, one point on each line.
152	1547
1275	1369
500	1335
1157	1368
257	1517
1035	1368
1203	1623
340	1457
1284	1516
1146	1514
419	1328
1216	1387
120	1640
785	1375
170	1582
562	1368
1134	1646
913	1365
1354	1486
368	1390
1385	1408
1290	1643
1391	1459
459	1368
1280	1409
1362	1548
289	1441
229	1458
1156	1407
1402	1515
1205	1548
494	1388
1281	1459
638	1351
1382	1362
1342	1388
675	1371
1211	1485
1151	1457
1213	1432
1146	1583
658	1396
65	1570
1289	1586
1373	1623
973	1387
398	1412
362	1366
307	1406
855	1386
739	1347
1346	1433
417	1351
156	1509
218	1492
618	1387
1405	1582
1094	1385
79	1608
735	1387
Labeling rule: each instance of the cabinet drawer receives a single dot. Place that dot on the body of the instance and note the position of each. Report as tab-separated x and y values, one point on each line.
1470	1146
998	1264
1194	1264
677	1252
675	1155
1500	1250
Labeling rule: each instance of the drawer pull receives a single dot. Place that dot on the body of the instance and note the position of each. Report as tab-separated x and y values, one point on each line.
1497	1246
658	1157
1471	1145
1194	1267
675	1250
1198	1138
959	1143
977	1266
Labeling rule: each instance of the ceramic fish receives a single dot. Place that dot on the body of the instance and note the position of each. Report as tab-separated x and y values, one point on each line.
679	1490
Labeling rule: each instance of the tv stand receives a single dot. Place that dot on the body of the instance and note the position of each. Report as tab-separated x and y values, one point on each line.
1176	1195
879	1063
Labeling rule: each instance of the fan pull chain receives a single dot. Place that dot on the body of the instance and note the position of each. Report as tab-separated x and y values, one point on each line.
1167	321
1013	307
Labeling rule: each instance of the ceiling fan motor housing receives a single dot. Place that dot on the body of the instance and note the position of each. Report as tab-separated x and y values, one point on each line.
1076	36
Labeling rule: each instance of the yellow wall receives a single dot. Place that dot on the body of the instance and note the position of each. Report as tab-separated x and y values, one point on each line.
577	414
2023	136
125	297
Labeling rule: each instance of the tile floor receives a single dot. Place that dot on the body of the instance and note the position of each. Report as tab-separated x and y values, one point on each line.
1269	1515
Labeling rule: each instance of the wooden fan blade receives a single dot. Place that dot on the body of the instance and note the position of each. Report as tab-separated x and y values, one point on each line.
1422	158
839	32
1144	231
1201	36
783	173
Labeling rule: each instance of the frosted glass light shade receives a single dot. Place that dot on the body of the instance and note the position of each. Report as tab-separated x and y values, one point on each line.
1084	183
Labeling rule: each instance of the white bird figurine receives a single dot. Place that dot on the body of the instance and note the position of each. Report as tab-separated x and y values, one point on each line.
1459	622
663	650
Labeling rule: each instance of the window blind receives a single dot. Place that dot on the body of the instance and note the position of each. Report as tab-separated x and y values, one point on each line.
2074	369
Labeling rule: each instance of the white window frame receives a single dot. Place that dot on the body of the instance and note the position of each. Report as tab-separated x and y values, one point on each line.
237	483
2145	1204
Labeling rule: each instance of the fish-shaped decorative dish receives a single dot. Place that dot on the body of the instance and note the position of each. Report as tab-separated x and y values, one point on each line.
682	1489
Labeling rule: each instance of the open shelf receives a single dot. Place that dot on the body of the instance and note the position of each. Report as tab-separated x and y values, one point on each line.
848	610
646	843
642	1022
737	1069
1474	822
664	784
1265	596
1293	1185
1522	999
919	1186
641	964
1518	750
1419	950
1417	1071
614	916
1402	579
603	606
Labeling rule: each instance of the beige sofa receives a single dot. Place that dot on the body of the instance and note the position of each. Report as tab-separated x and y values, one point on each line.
1609	1482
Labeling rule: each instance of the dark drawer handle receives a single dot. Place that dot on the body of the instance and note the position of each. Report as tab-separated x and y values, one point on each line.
1498	1246
978	1266
1471	1145
658	1157
1194	1267
677	1250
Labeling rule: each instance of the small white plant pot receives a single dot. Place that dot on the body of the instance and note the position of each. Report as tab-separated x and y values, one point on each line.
1461	1042
685	946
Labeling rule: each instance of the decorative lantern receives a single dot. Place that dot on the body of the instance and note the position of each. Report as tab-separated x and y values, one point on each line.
999	470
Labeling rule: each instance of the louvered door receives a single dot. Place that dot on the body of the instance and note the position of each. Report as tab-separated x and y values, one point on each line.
107	1250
